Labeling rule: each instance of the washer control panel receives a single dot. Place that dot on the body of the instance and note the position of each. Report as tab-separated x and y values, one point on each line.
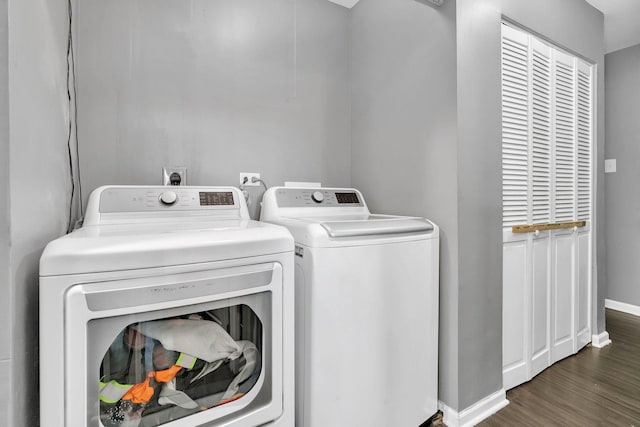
150	199
317	197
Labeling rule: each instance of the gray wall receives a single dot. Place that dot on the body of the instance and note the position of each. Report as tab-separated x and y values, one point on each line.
220	87
479	169
403	132
39	186
5	289
479	202
622	203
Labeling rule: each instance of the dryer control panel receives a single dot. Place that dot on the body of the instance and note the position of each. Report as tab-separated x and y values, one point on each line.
159	199
112	204
317	197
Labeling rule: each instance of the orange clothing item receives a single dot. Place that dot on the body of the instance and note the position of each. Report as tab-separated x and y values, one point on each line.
168	374
143	392
140	393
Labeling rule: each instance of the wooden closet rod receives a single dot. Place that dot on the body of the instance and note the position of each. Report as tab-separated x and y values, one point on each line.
532	228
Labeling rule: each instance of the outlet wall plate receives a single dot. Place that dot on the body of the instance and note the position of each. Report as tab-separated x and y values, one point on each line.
167	171
610	166
249	175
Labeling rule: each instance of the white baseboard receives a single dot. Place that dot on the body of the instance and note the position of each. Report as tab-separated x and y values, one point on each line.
622	306
601	340
475	413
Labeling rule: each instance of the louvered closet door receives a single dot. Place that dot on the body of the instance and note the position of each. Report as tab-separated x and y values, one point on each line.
584	138
515	204
564	190
546	161
541	137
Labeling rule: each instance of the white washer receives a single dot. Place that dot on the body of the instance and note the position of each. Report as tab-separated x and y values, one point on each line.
366	309
149	267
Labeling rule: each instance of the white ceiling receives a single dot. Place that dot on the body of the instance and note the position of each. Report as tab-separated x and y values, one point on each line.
621	22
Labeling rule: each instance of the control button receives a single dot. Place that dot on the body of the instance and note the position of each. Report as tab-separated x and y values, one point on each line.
168	198
317	196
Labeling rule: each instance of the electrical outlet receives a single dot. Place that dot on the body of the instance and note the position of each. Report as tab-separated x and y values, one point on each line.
174	175
249	176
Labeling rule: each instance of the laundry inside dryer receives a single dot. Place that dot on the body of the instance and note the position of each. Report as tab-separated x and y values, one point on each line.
161	370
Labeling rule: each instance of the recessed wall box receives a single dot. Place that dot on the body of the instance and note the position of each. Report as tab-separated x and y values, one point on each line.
174	175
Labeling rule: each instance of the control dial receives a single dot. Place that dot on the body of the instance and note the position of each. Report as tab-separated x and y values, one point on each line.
168	198
317	196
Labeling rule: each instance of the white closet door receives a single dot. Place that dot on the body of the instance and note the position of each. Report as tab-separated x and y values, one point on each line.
541	137
584	128
547	98
515	204
564	188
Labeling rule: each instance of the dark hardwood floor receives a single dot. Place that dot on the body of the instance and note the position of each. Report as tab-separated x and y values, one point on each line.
596	387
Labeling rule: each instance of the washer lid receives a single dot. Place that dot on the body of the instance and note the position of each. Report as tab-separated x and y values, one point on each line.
338	217
106	248
376	225
350	230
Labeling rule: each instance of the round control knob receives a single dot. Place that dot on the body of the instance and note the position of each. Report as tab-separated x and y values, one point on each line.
317	196
168	198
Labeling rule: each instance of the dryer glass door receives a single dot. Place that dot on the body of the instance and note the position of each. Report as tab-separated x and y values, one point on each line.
168	368
186	349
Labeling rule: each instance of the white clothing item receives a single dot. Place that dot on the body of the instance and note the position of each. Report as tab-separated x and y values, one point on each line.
250	353
203	339
170	396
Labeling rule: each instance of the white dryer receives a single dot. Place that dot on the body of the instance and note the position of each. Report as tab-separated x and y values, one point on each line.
366	309
168	307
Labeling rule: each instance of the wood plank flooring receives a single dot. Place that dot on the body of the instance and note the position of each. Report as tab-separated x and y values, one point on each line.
596	387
